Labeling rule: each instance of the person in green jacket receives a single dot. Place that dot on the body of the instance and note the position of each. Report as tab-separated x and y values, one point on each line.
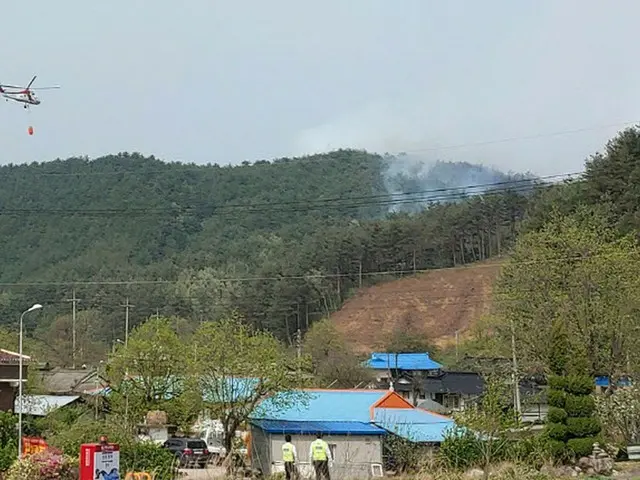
289	457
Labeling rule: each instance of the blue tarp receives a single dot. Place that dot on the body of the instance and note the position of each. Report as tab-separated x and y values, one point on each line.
311	428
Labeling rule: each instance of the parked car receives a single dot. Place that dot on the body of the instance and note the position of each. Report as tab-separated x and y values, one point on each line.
189	451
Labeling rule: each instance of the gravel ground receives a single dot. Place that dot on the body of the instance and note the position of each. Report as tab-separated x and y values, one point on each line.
209	473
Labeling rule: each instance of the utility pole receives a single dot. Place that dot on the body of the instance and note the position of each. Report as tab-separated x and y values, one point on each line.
73	301
516	383
457	358
126	306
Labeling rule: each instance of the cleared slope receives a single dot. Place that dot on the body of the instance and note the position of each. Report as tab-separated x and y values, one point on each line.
436	304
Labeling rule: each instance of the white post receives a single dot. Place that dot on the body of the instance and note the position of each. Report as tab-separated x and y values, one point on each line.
34	307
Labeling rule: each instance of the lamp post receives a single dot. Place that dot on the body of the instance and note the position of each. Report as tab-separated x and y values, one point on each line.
36	306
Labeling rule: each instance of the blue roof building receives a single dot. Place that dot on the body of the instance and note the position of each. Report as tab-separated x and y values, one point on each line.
402	361
353	422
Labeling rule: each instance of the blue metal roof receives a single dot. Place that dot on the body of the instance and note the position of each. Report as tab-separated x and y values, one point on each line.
603	381
415	424
311	428
319	406
402	361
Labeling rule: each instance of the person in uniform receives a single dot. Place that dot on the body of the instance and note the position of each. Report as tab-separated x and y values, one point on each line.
289	457
320	455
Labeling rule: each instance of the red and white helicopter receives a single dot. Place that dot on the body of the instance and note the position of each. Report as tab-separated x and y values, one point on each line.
24	95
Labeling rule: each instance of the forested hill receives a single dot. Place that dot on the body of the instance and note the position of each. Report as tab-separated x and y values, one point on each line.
282	242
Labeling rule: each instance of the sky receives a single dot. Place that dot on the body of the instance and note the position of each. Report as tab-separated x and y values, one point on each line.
223	82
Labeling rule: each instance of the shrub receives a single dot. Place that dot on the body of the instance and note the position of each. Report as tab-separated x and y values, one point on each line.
147	457
460	449
557	398
556	415
8	454
557	431
583	426
579	385
556	382
582	447
45	465
557	448
580	406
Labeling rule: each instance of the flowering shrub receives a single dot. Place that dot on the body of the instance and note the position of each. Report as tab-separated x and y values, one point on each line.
49	464
620	414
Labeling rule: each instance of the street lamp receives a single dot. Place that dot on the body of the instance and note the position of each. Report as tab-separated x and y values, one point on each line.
36	306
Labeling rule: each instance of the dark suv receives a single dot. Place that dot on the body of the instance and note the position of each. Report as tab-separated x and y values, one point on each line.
189	451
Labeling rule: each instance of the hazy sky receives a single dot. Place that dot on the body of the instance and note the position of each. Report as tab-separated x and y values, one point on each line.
226	81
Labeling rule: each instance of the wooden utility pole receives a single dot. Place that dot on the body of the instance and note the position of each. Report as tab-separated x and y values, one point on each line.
126	306
73	301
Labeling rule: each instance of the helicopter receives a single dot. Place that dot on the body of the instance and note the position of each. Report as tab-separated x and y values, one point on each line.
24	95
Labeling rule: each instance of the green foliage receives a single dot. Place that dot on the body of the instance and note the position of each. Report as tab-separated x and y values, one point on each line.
582	447
332	360
147	374
460	449
579	384
583	427
557	398
237	366
575	271
148	457
314	228
557	431
8	455
580	405
556	415
557	382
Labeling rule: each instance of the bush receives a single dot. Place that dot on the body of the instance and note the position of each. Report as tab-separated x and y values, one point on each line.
557	398
582	447
557	431
8	454
579	385
557	448
583	426
580	406
44	465
556	382
556	415
148	457
460	449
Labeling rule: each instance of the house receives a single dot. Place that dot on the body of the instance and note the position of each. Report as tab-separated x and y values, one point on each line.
450	390
389	367
42	405
68	381
353	422
10	377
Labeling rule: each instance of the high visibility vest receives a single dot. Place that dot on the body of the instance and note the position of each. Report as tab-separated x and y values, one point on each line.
287	452
319	450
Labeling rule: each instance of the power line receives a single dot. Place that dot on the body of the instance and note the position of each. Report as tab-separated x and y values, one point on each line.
407	272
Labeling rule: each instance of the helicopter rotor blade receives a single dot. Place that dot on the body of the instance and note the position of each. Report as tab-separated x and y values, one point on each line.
31	82
46	88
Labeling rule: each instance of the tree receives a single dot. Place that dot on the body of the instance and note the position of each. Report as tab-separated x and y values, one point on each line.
406	338
149	374
575	275
490	421
619	414
237	367
334	363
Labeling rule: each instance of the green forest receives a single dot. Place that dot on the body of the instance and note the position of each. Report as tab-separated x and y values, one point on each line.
282	243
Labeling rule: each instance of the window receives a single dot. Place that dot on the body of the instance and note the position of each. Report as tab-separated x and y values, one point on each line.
452	401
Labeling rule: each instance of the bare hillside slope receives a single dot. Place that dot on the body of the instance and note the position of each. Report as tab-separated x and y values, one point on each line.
437	303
